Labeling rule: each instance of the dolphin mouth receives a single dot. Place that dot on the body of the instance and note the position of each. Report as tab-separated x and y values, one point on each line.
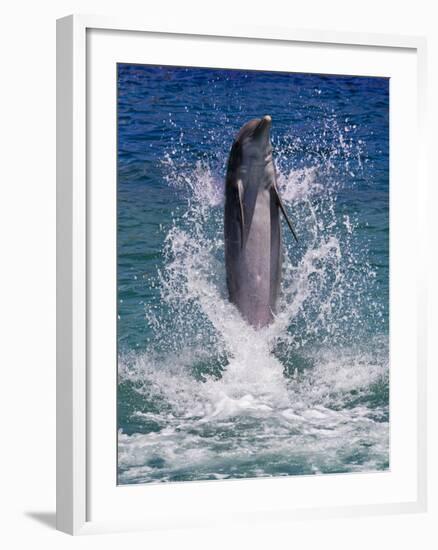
263	126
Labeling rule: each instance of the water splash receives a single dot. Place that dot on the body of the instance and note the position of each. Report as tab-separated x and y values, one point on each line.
212	397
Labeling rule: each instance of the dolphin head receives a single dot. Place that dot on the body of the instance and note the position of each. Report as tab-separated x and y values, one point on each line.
251	154
253	141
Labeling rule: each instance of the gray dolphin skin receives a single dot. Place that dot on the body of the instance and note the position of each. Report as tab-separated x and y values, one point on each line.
253	242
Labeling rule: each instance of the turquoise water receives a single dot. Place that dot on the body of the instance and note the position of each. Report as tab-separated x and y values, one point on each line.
202	395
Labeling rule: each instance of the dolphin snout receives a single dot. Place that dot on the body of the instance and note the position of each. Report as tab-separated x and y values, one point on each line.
265	122
263	126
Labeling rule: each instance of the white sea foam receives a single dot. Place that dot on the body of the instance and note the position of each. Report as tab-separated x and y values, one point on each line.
253	421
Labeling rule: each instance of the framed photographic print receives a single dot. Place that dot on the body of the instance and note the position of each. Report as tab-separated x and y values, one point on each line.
240	275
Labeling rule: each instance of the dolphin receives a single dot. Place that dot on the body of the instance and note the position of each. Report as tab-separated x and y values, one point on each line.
253	242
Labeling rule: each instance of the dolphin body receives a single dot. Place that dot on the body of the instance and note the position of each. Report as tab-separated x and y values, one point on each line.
253	243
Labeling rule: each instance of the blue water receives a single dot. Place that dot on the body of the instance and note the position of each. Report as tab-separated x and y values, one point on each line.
202	395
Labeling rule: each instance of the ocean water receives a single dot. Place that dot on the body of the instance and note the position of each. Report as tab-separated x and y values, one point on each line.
202	395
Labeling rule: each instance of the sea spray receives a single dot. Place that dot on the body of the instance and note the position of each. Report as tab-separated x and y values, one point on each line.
217	399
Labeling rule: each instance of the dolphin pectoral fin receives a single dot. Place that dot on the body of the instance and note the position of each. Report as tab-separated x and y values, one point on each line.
242	216
281	205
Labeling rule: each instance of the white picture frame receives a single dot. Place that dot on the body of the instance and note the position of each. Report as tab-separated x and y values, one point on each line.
74	337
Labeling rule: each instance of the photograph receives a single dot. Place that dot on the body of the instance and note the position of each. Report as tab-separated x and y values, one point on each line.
252	274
